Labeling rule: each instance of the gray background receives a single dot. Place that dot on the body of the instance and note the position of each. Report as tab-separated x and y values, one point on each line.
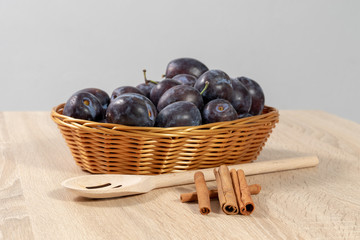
305	54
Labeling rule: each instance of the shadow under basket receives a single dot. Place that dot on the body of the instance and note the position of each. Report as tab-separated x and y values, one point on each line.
112	148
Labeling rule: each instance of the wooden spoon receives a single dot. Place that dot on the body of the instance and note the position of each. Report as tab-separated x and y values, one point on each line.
118	185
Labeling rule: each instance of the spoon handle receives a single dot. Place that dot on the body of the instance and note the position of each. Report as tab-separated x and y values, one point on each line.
182	178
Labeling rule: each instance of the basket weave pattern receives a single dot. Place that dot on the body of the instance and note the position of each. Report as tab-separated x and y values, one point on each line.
113	148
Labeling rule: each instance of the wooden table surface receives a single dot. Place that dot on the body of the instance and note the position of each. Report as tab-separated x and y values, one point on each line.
321	202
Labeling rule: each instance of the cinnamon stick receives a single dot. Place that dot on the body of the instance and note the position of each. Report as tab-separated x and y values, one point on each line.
245	194
226	192
193	197
202	193
254	189
236	184
213	193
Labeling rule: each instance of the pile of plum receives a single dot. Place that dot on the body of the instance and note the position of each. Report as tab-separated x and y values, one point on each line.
188	95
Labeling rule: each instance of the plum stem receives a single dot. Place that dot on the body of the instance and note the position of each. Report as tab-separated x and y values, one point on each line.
147	80
154	82
206	86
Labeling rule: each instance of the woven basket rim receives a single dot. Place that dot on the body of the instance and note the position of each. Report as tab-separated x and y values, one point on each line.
56	115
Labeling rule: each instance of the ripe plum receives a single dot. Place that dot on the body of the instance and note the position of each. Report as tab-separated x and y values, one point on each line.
257	95
159	89
84	105
102	96
180	93
179	114
241	98
124	89
218	110
185	65
185	79
219	85
132	109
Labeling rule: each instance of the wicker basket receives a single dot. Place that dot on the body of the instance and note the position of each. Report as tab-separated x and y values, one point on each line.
113	148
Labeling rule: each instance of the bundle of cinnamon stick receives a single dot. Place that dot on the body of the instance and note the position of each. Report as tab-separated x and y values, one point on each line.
233	192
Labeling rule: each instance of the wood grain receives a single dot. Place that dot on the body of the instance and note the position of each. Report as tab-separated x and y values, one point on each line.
314	203
14	217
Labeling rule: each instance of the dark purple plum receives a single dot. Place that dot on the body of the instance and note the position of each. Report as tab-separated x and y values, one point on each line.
84	105
185	79
146	86
179	114
131	109
185	65
124	89
257	95
219	85
102	96
218	110
180	93
160	88
241	98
